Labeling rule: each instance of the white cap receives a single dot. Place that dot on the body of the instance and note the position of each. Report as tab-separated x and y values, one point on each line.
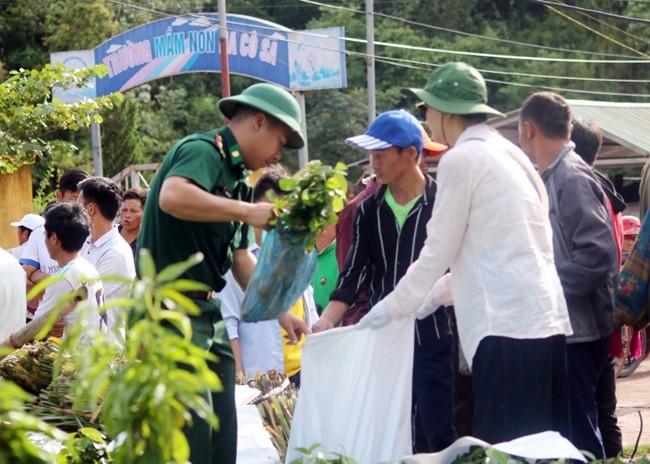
30	221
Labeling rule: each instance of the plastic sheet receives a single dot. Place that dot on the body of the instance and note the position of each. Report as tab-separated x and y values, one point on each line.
283	272
355	394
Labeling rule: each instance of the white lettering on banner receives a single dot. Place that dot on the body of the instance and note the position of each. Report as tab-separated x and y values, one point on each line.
269	51
248	45
128	56
232	43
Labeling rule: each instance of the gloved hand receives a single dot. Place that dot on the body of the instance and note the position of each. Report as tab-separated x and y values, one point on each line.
439	295
375	319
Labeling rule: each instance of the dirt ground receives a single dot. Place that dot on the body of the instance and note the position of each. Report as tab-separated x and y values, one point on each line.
633	394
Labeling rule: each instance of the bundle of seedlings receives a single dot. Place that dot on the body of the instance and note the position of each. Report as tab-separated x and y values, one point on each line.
31	366
275	406
287	261
55	404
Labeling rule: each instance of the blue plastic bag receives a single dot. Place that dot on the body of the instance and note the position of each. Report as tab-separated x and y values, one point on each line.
283	272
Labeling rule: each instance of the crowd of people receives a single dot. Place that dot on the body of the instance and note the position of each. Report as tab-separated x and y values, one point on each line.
77	238
507	262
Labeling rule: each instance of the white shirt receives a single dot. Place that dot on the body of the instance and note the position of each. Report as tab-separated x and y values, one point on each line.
17	252
36	254
75	274
260	343
12	295
489	225
112	256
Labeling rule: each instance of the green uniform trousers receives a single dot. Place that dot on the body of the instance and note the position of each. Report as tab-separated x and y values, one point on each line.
207	445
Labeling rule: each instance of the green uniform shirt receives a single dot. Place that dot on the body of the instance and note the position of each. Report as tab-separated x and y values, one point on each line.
218	170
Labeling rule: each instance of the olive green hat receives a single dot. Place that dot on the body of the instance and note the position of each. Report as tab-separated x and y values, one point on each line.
456	88
272	100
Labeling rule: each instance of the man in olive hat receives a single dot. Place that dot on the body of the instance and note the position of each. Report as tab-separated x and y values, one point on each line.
199	202
490	226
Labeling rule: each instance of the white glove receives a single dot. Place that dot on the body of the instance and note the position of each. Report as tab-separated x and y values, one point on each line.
439	295
375	319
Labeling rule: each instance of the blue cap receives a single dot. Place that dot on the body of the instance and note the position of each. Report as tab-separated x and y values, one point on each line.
395	128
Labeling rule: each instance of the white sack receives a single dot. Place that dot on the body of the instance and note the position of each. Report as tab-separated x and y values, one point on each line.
545	446
355	393
253	442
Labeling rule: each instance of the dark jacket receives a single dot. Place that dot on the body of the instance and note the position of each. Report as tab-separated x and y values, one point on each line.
583	245
344	228
380	248
615	198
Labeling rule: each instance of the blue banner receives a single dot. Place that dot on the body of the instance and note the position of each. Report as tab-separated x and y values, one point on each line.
295	60
185	44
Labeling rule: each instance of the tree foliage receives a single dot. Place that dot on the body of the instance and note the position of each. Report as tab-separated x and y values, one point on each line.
120	137
29	116
145	399
419	35
66	32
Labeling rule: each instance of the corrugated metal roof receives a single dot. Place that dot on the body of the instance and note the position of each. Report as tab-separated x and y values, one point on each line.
625	123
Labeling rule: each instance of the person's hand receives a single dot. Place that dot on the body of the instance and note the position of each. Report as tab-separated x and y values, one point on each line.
259	214
375	319
323	324
331	316
294	326
439	295
57	329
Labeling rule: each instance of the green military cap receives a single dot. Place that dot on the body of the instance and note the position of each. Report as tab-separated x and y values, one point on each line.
272	100
456	88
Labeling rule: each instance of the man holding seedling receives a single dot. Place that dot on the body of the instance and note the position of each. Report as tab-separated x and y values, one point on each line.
199	202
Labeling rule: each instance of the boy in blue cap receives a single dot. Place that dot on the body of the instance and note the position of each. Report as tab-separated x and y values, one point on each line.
389	232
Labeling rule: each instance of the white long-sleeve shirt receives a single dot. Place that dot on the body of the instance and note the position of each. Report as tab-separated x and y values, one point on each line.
490	226
260	343
12	295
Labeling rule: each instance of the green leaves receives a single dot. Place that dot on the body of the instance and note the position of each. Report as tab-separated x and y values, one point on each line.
29	115
146	397
15	426
316	195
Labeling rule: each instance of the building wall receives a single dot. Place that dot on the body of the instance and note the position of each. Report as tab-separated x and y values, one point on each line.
15	202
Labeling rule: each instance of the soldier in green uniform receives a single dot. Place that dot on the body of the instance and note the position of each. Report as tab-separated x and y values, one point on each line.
199	201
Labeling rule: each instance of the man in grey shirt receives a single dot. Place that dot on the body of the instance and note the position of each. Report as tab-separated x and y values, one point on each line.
585	254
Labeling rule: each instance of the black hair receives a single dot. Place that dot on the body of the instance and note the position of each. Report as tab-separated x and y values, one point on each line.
242	111
270	180
588	139
474	118
550	112
105	193
71	224
135	194
23	229
49	206
69	181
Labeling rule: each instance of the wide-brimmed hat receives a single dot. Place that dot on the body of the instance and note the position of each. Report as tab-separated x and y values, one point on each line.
272	100
395	128
456	88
